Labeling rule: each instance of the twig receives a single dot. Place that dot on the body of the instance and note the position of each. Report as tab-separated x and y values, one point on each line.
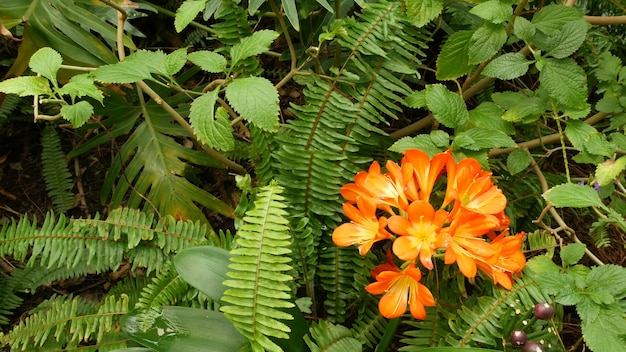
605	20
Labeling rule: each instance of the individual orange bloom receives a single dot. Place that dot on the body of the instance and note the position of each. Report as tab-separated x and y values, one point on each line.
399	288
364	230
474	190
510	261
419	234
427	171
380	188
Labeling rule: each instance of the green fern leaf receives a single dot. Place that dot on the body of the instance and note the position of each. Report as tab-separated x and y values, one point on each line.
260	267
54	170
326	336
370	326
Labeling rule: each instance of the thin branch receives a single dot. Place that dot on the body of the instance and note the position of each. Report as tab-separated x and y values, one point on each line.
605	20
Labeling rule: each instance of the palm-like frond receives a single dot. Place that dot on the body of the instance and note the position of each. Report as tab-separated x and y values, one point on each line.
54	171
259	290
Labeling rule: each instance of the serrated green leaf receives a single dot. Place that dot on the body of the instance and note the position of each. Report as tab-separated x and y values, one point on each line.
256	99
523	29
201	114
80	86
518	161
485	42
610	278
220	133
77	113
597	144
608	68
568	39
26	85
565	82
493	11
122	72
208	61
487	139
488	115
453	60
507	66
606	332
578	132
258	43
420	12
609	103
609	170
187	12
46	62
175	61
573	196
552	18
428	143
416	100
447	107
572	253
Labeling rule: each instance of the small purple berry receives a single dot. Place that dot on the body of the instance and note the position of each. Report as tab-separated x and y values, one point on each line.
543	311
532	346
518	338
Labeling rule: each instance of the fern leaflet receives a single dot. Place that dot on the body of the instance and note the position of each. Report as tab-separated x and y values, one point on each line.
54	170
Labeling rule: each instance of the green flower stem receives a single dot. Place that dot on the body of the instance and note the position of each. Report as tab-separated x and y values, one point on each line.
389	334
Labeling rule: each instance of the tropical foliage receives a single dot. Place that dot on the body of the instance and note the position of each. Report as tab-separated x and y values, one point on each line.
393	175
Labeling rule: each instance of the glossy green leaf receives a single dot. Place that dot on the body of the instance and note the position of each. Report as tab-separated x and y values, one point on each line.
565	82
205	268
494	11
447	107
256	99
485	42
77	113
507	66
46	62
453	60
420	12
258	43
573	195
292	13
26	85
208	61
187	12
186	329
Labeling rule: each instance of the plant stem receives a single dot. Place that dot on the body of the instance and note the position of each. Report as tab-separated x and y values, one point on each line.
389	334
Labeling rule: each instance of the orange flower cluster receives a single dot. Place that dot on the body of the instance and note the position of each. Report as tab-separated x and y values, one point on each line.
470	226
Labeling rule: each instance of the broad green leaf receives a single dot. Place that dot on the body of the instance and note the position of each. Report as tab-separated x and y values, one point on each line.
217	133
486	139
46	62
202	112
568	39
573	196
552	18
572	253
258	43
292	13
565	82
488	115
610	278
485	42
493	11
597	144
507	66
125	71
151	61
517	161
523	29
428	143
608	67
205	268
606	332
453	60
175	61
416	100
187	12
179	329
609	170
447	107
256	99
420	12
578	132
77	113
26	85
208	61
80	86
541	264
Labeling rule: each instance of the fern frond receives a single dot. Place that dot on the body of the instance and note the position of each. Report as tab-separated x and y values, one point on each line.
427	333
65	322
259	289
328	337
370	325
104	244
8	105
54	171
9	285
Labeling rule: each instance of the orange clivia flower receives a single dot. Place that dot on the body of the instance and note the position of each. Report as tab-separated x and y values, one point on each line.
510	261
365	228
380	188
400	287
419	234
427	171
473	189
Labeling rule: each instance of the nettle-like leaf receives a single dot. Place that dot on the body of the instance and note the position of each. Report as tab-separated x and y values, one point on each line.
256	99
81	86
565	82
518	161
26	85
550	19
480	138
141	65
494	11
578	132
258	43
260	267
573	195
453	60
211	128
46	62
208	61
187	12
447	107
420	12
606	332
433	143
507	66
523	28
567	40
609	170
175	61
485	42
77	114
488	115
